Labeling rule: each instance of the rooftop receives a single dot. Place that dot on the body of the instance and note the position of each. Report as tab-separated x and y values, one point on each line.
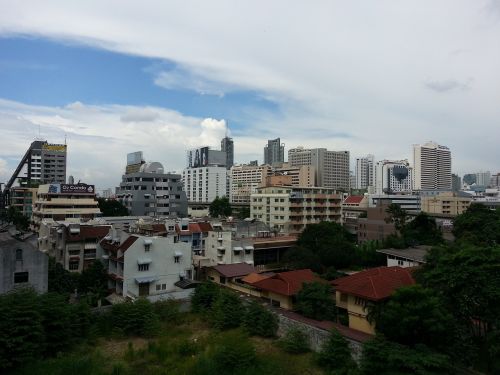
286	283
417	253
234	270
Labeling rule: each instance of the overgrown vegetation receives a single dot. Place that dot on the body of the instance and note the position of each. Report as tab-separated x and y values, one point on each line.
112	207
220	207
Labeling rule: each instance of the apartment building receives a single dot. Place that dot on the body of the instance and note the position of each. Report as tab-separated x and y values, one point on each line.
448	203
290	209
22	198
432	167
61	202
274	152
331	167
364	172
245	179
302	175
204	184
393	176
146	266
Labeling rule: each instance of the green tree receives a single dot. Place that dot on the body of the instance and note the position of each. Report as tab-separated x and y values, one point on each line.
367	255
415	315
244	213
259	321
227	311
135	318
478	225
422	230
396	215
384	357
335	355
233	353
60	280
315	301
220	207
93	282
204	296
16	217
295	341
112	207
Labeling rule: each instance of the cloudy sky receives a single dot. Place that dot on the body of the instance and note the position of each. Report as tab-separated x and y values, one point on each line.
163	76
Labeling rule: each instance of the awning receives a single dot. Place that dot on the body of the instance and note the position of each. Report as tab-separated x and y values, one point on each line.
90	245
145	279
221	248
148	242
248	247
177	253
237	248
249	262
74	230
187	283
144	261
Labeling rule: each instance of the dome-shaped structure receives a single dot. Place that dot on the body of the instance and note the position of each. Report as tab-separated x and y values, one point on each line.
153	167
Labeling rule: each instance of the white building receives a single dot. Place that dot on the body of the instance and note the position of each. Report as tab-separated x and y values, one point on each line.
365	172
432	167
393	176
146	265
245	179
204	184
483	178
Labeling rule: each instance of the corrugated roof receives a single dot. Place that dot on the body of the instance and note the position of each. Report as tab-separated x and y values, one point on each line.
374	284
234	270
89	232
287	283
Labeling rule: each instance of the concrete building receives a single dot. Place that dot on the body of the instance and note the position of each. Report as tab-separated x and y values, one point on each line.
61	202
432	167
290	209
331	167
73	245
353	207
301	175
456	183
410	257
393	176
244	180
365	172
204	184
447	203
495	181
134	162
152	192
227	146
22	198
374	226
274	152
22	265
483	178
407	202
146	266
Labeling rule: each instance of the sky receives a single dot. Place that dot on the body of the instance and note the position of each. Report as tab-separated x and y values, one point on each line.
113	77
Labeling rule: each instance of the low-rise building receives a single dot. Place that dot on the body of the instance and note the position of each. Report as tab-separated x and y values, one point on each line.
22	265
244	181
353	207
22	198
411	257
450	203
356	292
146	266
374	227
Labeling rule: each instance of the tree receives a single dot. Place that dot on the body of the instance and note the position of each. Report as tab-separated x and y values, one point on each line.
295	341
478	225
422	230
415	315
259	321
16	217
367	255
396	215
136	318
233	353
227	311
335	355
384	357
244	213
315	301
204	296
112	207
93	281
328	244
220	207
60	280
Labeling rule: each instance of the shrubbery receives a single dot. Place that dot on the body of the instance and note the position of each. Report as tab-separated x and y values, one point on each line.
259	321
295	341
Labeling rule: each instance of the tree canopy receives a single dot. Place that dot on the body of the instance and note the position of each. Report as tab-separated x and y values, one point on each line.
112	207
478	225
315	300
220	207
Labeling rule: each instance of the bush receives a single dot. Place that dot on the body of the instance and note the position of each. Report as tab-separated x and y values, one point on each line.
335	355
227	311
315	301
233	353
168	311
295	341
204	296
135	318
259	321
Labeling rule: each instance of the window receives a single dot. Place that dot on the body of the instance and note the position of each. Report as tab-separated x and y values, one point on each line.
158	287
360	301
21	277
343	297
73	266
143	267
177	259
163	286
19	254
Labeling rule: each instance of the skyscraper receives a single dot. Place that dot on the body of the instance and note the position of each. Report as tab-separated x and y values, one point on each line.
274	152
227	146
364	172
331	167
432	167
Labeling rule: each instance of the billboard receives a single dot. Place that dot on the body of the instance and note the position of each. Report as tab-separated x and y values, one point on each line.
53	147
198	157
71	189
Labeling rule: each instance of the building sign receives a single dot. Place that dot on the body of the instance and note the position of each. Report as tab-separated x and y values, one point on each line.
56	148
198	157
71	189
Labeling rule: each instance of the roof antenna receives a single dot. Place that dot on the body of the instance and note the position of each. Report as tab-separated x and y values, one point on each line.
227	127
65	139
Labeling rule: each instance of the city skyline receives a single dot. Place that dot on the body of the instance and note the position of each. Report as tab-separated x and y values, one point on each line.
164	79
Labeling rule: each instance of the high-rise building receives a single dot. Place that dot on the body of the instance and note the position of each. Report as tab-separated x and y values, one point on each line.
227	146
331	167
244	181
365	171
393	176
134	162
495	180
469	178
456	182
274	152
432	167
483	178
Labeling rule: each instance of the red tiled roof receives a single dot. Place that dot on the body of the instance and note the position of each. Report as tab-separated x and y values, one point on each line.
234	270
354	199
374	284
287	283
192	228
256	277
127	243
205	227
110	246
159	228
89	232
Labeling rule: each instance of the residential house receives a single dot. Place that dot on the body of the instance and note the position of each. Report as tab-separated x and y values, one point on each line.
410	257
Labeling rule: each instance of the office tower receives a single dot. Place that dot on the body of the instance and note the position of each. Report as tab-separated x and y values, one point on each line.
227	146
331	167
456	182
393	176
364	172
134	162
149	191
274	152
432	167
244	181
483	178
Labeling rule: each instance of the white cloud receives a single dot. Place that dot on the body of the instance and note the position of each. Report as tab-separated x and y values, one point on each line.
349	75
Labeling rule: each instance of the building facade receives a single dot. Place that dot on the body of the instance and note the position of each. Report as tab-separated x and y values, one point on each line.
448	203
432	167
204	184
227	146
244	180
393	176
365	172
331	167
274	152
151	192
